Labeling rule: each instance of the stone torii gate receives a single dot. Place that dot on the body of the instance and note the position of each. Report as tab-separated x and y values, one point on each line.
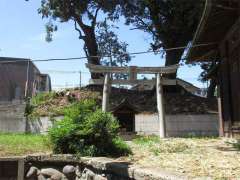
132	72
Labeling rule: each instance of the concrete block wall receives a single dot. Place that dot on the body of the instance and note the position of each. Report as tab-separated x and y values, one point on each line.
178	125
42	124
12	117
12	120
147	124
39	125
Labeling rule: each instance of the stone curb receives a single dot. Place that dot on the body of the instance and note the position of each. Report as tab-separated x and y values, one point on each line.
109	166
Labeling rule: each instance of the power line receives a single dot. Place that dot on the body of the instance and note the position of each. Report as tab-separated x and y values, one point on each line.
66	72
133	53
200	24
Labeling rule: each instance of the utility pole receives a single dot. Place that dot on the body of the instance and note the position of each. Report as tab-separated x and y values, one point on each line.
27	80
80	81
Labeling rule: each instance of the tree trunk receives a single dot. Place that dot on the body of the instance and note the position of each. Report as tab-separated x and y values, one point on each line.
92	49
211	88
90	46
173	57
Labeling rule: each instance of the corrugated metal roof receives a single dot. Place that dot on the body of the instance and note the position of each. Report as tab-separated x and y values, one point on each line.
219	16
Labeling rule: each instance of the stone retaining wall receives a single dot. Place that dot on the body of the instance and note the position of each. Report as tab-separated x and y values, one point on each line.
68	167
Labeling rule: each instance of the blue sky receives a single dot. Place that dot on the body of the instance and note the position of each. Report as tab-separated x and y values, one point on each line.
22	34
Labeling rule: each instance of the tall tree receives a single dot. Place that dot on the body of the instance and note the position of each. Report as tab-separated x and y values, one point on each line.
113	51
171	23
84	14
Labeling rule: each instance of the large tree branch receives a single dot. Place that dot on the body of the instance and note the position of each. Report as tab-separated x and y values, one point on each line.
81	36
145	26
94	18
79	21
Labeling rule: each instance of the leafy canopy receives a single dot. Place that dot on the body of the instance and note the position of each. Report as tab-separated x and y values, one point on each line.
171	23
99	39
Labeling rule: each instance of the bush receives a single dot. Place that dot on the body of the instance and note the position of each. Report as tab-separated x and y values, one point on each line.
87	131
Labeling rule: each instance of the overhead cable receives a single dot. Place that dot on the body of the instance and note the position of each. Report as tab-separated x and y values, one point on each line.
86	57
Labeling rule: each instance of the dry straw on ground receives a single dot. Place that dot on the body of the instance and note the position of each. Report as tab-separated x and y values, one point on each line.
193	157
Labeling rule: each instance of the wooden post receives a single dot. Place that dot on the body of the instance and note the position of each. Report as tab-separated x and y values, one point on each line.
20	173
160	108
132	73
106	91
221	128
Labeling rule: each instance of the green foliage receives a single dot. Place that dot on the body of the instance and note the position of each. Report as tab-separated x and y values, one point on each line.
113	51
84	14
120	147
170	23
61	135
143	140
87	131
110	46
42	98
80	110
29	108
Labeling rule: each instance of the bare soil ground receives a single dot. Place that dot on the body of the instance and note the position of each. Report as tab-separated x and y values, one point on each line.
194	157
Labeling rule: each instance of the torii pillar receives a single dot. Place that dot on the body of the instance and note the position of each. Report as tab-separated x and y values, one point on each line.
106	92
160	107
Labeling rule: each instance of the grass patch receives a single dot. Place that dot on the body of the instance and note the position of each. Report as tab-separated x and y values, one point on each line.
23	144
157	145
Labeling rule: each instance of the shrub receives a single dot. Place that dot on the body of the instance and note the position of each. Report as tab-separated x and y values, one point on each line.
61	136
87	131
